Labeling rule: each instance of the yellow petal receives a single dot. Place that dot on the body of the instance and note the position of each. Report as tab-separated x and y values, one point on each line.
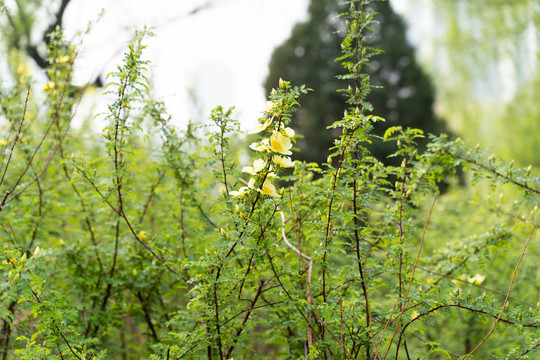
241	192
477	279
63	59
283	161
280	143
49	86
260	128
289	132
258	165
262	146
268	106
268	189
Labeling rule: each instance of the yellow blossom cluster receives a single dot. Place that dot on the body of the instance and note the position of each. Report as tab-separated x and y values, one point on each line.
274	151
49	86
23	70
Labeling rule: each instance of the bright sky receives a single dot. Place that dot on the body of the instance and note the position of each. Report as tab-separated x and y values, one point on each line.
220	53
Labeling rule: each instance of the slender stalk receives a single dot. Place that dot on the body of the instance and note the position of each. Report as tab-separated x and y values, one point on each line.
507	295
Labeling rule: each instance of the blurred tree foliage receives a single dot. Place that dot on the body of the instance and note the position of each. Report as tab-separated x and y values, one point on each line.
27	26
484	56
147	241
404	97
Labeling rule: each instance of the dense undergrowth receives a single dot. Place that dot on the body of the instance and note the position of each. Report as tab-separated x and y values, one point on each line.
148	241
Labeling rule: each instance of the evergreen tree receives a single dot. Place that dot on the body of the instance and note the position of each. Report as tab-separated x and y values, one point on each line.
405	95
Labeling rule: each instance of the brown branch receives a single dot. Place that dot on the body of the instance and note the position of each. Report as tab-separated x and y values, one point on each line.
38	300
403	307
151	196
308	278
309	275
493	171
53	153
360	267
246	318
284	288
263	230
440	307
218	327
528	350
144	304
17	138
507	295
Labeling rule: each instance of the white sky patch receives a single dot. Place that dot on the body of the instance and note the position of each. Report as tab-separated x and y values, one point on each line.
220	53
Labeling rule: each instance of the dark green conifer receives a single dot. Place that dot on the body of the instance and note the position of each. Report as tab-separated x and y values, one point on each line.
405	96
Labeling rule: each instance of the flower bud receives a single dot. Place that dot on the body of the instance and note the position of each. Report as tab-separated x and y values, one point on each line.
281	83
143	235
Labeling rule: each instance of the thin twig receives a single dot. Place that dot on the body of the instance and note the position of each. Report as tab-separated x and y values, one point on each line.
17	138
507	295
308	276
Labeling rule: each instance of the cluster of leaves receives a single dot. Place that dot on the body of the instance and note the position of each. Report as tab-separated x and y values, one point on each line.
136	247
401	91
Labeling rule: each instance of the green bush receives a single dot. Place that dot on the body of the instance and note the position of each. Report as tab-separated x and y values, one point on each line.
154	242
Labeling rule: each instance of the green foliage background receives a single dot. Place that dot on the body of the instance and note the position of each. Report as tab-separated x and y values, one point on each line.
129	243
484	65
402	93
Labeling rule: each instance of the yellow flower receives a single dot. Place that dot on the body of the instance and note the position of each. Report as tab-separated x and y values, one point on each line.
261	127
280	143
477	279
241	192
143	235
268	188
258	165
3	143
283	161
49	86
268	106
262	146
288	132
63	59
23	70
